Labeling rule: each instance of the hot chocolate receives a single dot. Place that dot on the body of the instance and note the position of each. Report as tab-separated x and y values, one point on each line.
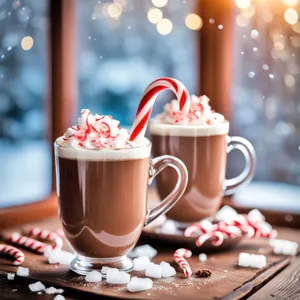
102	183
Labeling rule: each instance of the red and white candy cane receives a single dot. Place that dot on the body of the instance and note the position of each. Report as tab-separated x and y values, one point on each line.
45	234
206	236
27	242
12	251
179	256
198	228
147	101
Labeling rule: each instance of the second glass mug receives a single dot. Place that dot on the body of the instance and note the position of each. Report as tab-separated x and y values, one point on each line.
103	201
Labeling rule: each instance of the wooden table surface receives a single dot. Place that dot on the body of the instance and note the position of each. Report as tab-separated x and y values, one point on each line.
279	280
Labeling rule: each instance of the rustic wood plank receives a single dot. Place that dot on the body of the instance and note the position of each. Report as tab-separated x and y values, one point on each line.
285	285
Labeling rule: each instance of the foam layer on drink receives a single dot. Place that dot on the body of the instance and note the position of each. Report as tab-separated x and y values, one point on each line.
77	153
97	137
157	128
200	114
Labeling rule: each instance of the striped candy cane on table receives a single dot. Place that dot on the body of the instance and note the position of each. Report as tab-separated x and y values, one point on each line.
179	256
147	101
26	242
46	235
14	252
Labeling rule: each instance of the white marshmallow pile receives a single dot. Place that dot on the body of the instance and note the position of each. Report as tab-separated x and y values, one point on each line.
168	227
36	287
60	257
164	269
114	276
256	216
145	250
52	290
226	213
93	276
252	260
11	276
59	297
202	257
283	247
139	284
23	272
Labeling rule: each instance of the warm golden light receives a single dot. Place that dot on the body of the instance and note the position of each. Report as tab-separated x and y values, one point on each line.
164	26
154	15
27	43
296	27
242	3
249	12
291	16
289	80
114	10
193	22
159	3
241	20
290	2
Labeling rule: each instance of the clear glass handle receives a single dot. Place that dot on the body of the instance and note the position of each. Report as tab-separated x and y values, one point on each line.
234	184
156	166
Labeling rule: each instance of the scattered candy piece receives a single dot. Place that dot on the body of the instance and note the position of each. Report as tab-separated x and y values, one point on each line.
139	284
36	287
179	256
140	263
11	276
202	257
93	276
252	260
24	272
203	273
12	251
52	290
226	213
145	250
153	270
115	276
45	234
26	242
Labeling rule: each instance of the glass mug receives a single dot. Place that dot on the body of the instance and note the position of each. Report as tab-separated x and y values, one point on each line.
204	152
103	201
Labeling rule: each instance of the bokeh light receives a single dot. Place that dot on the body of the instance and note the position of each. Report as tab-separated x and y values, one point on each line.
27	43
289	80
290	2
254	34
193	22
159	3
291	16
243	3
249	12
241	20
154	15
114	10
164	26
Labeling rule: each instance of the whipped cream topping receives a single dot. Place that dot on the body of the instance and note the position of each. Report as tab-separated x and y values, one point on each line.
200	113
96	132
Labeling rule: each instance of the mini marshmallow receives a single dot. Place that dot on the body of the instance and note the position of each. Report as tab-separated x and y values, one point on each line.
114	276
167	270
93	276
145	250
11	276
59	297
139	284
60	256
24	272
202	257
153	270
169	227
226	213
36	287
52	290
252	260
256	216
283	247
140	264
